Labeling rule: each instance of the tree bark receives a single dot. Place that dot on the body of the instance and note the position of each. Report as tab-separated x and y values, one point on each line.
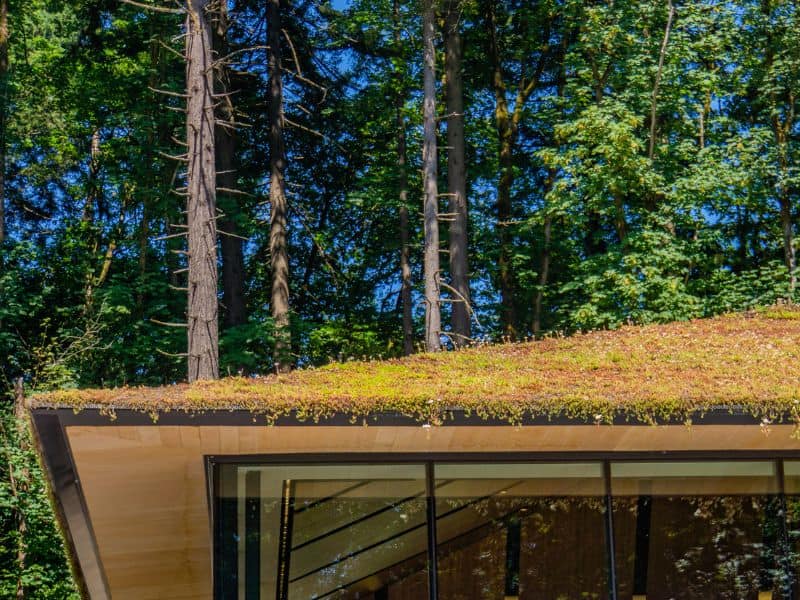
433	324
505	135
507	124
405	248
656	84
277	195
20	485
508	316
457	177
203	310
785	201
544	272
781	129
4	34
93	189
402	184
233	301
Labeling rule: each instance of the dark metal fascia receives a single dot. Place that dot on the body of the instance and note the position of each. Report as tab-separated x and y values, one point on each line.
70	504
100	416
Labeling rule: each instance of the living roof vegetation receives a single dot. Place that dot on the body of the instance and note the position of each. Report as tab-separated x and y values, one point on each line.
750	362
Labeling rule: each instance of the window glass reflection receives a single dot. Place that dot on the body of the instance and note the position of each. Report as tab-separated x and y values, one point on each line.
509	531
791	470
504	531
697	530
340	531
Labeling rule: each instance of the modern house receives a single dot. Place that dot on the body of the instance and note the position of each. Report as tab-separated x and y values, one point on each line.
650	462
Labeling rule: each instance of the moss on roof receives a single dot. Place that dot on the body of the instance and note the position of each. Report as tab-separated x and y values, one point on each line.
749	361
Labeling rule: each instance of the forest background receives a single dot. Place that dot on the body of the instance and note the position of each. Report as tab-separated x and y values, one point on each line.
621	161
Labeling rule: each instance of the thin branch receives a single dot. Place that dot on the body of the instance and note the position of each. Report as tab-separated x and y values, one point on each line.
171	236
464	300
233	235
166	324
161	9
167	93
171	354
171	49
180	158
294	52
304	128
235	52
235	192
657	83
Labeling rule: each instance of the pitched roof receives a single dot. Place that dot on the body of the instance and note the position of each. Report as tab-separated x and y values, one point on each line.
748	361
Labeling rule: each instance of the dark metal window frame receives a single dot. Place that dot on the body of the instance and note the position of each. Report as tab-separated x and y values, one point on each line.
430	460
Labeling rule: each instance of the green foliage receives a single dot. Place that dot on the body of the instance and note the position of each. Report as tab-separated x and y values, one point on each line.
644	282
337	341
245	349
93	265
29	529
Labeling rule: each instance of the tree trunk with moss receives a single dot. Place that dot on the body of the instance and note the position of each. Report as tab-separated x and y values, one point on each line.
402	184
3	108
20	485
232	253
277	195
506	136
203	310
456	177
433	319
405	247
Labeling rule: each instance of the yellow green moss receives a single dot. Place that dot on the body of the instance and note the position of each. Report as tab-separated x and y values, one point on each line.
748	361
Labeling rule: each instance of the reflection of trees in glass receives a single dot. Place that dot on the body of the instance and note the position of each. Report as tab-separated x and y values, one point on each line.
563	554
340	542
561	549
792	554
722	547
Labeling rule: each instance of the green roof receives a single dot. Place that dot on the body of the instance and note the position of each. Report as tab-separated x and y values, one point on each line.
749	361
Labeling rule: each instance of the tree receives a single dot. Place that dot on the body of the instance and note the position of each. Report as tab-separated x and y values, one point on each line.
402	184
231	250
277	194
456	176
3	108
203	311
430	168
507	123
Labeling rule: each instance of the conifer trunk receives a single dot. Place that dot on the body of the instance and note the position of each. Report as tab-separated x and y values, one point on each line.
3	109
20	484
505	135
277	195
782	129
203	327
785	201
457	177
405	248
232	252
430	169
402	176
544	273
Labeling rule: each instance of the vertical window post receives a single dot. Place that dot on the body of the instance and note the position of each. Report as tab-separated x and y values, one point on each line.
610	545
784	562
285	552
430	486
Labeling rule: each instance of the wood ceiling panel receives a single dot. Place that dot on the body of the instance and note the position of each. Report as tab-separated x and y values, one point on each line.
145	486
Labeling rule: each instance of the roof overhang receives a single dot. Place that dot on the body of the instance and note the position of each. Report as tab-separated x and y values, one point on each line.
132	488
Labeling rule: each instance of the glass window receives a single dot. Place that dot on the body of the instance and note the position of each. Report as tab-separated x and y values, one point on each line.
504	531
687	530
509	531
791	471
300	532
